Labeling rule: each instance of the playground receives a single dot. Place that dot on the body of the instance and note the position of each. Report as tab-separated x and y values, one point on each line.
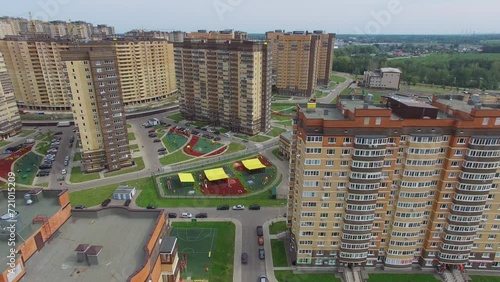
6	162
174	141
26	168
195	245
235	178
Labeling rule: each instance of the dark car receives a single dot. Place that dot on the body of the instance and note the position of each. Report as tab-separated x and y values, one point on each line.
195	132
72	139
217	139
244	258
106	202
260	231
198	127
216	132
204	129
80	207
151	131
201	215
223	208
127	202
172	215
188	124
152	135
58	133
150	207
262	254
156	140
162	149
162	153
42	173
254	207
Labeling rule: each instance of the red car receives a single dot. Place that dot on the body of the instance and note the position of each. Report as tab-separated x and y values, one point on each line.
151	131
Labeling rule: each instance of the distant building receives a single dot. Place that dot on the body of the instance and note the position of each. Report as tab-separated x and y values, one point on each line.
284	144
385	78
10	121
228	34
225	83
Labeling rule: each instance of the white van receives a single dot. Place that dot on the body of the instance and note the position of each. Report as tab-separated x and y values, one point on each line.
227	135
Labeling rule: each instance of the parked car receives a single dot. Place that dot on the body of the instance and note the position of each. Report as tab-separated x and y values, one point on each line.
106	202
162	149
263	278
216	132
151	131
162	153
60	178
66	163
186	215
217	139
198	127
244	258
172	215
223	208
152	135
239	207
260	231
254	207
262	254
42	173
156	141
204	129
150	207
64	171
66	158
75	129
210	130
80	207
58	133
260	240
127	202
201	215
188	124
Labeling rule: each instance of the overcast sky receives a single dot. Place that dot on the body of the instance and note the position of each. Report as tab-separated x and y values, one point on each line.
340	16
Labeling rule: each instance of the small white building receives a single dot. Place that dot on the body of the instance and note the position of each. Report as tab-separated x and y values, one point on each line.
386	78
124	192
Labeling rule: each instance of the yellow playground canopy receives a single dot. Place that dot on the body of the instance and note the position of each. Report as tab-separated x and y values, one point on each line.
253	164
215	174
185	177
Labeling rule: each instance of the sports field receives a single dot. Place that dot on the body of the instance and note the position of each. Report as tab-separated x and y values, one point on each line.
195	245
174	141
205	146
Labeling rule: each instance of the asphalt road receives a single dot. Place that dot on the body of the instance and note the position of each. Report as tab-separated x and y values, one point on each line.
249	221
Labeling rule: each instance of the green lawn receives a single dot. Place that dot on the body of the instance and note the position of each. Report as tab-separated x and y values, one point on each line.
435	89
139	166
222	261
44	136
174	158
234	147
277	227
174	141
320	94
131	136
279	253
4	143
277	155
199	123
336	78
44	184
78	176
176	117
221	130
282	106
27	167
27	132
289	276
275	131
133	147
95	196
282	120
77	157
346	91
401	278
42	148
479	278
259	138
129	125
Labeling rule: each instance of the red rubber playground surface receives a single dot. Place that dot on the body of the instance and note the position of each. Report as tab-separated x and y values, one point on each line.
230	187
6	163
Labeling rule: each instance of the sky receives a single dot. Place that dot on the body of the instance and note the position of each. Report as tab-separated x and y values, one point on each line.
258	16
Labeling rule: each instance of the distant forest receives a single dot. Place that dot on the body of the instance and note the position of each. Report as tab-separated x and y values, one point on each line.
468	70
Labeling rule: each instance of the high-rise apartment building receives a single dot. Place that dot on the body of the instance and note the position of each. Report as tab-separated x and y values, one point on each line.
227	34
225	83
10	122
97	104
34	63
301	60
399	183
36	71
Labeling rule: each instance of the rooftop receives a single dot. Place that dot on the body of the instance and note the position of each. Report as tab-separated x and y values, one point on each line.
122	233
390	70
44	203
287	135
323	111
168	245
458	102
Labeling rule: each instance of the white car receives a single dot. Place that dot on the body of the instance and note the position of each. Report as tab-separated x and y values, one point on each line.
239	207
186	215
210	130
63	172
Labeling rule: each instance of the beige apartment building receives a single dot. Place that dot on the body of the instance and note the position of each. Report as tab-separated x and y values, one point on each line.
227	34
97	105
225	83
36	71
10	122
146	67
385	78
301	60
397	184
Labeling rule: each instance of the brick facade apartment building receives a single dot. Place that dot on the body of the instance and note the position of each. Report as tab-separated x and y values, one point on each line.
397	184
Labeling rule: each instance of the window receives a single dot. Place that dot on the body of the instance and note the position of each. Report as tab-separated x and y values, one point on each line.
344	163
313	150
461	141
329	163
332	140
486	121
347	140
330	152
314	139
312	162
378	120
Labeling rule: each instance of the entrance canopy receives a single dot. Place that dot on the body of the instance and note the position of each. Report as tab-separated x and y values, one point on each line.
185	177
253	164
215	174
